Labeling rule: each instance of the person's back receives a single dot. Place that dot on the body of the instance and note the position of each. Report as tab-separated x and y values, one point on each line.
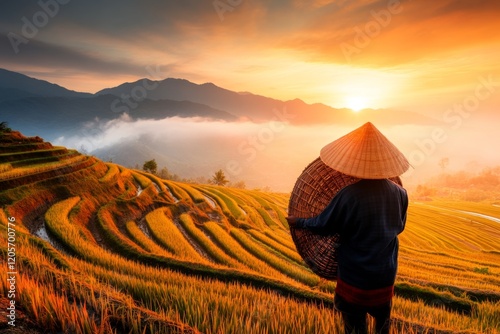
368	236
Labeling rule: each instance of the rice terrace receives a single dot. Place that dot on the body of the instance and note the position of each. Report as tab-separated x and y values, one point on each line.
98	248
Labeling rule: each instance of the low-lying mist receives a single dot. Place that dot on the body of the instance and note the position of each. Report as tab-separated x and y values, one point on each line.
273	154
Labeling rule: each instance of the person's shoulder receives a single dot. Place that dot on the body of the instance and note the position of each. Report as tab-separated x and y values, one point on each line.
370	185
367	184
374	184
355	189
398	189
394	184
348	191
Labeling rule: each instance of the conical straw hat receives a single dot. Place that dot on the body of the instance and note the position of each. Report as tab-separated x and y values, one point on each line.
365	153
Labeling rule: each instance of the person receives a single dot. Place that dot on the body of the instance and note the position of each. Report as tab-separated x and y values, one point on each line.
368	215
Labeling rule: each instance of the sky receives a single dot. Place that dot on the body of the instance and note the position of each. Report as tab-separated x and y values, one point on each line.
437	58
414	55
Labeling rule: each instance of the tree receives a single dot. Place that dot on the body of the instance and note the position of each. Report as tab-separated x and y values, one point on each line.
165	174
219	178
150	166
4	127
240	185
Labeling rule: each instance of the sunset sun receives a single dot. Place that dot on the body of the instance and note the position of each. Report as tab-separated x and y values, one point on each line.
356	102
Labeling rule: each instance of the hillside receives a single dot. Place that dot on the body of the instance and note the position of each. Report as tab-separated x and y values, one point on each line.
100	248
65	116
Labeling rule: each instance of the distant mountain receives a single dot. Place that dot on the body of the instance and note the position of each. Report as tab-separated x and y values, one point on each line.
259	108
15	85
253	107
53	117
246	105
29	104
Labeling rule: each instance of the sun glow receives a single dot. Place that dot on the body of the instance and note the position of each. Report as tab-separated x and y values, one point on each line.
363	88
356	103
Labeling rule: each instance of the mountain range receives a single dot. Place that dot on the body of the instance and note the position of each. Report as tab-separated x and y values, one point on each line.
38	107
192	129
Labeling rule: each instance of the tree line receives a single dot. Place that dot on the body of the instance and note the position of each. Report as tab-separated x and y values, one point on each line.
218	178
462	185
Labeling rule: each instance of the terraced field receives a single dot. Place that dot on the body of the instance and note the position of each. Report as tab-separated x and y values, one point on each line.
104	249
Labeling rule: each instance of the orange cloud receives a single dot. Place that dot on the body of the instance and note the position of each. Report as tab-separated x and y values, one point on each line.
387	33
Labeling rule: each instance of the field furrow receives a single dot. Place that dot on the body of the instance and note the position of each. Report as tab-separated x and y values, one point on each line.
209	247
168	235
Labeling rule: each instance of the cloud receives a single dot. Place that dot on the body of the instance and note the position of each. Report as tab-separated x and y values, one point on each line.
388	33
318	3
270	154
122	32
267	154
41	54
119	39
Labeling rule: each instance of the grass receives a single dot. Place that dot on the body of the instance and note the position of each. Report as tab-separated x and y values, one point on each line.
158	183
228	205
267	218
40	167
56	220
142	240
273	244
208	246
24	155
112	276
195	195
290	269
164	300
436	301
112	173
168	235
235	250
142	180
177	192
73	303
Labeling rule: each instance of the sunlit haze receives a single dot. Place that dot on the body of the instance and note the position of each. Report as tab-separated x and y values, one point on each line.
437	59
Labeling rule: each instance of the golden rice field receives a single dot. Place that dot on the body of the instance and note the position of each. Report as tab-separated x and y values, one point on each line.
103	249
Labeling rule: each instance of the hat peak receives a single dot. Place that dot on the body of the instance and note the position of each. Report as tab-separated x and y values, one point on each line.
365	153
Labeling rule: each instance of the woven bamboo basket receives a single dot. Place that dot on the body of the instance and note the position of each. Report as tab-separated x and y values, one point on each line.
313	191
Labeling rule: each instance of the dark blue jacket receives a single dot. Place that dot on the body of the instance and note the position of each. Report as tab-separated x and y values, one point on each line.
368	215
